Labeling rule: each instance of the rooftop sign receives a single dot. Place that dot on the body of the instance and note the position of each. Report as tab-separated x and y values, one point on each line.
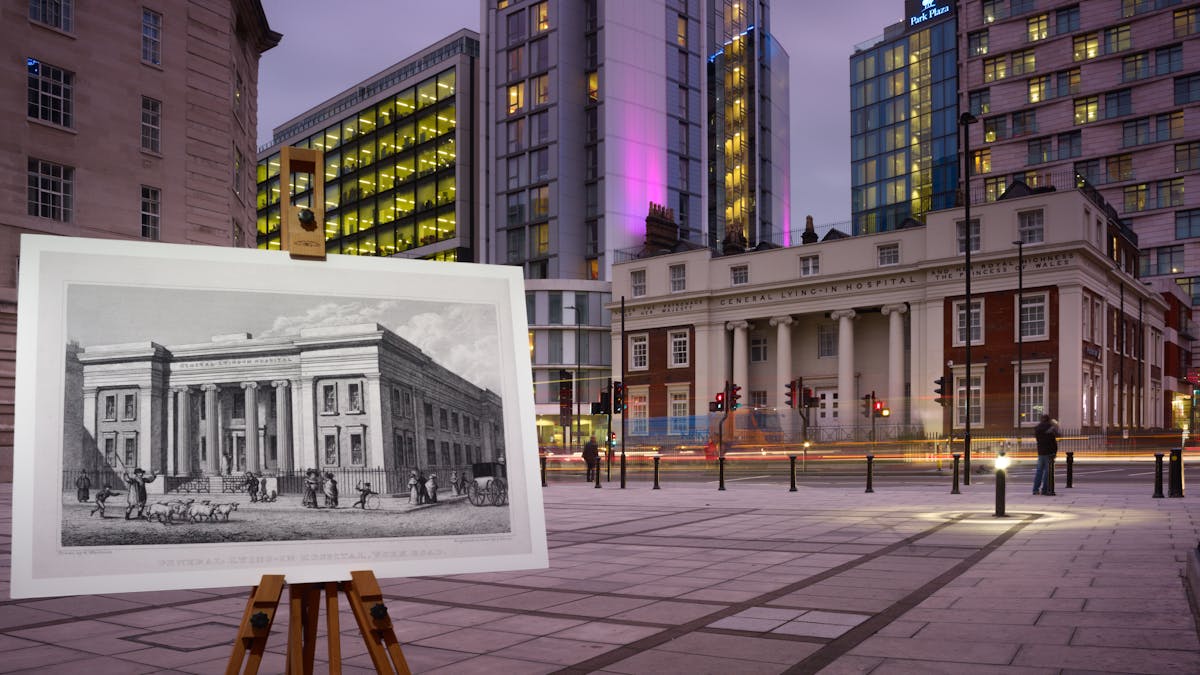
920	11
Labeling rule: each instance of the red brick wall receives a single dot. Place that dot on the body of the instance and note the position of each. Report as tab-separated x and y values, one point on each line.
659	375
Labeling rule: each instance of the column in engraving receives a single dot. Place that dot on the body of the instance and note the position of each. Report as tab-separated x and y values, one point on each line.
212	457
283	426
252	460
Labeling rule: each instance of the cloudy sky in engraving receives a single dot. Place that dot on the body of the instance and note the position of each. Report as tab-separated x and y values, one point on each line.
460	336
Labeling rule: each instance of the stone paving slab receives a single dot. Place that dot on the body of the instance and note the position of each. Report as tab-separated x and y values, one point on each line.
751	580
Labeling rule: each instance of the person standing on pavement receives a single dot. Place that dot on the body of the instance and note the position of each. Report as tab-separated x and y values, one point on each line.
136	497
591	455
1046	435
83	487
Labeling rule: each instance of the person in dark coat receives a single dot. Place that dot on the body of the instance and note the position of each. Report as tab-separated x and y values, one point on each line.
312	483
136	497
591	456
1046	435
102	496
83	487
251	486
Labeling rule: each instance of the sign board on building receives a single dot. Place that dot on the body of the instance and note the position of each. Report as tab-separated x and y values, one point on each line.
919	12
188	416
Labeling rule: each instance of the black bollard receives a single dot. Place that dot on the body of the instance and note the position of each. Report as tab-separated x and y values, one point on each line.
1175	473
1158	481
1001	478
656	458
597	473
1070	469
792	458
1048	488
721	473
622	469
542	459
954	490
870	472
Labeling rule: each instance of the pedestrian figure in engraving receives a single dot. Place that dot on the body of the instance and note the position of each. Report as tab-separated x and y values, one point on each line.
364	491
83	487
431	487
331	490
422	488
102	496
262	489
312	483
136	497
1046	435
463	481
591	455
454	482
251	483
414	495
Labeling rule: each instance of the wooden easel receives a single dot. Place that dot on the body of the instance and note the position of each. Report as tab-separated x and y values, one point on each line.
302	234
366	602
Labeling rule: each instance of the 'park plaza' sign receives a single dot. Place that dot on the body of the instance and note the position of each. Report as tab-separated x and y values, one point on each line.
920	11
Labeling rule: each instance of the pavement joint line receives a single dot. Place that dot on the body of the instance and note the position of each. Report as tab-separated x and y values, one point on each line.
840	646
1191	598
602	661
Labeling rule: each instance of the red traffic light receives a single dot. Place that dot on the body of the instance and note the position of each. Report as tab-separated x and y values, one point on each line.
877	405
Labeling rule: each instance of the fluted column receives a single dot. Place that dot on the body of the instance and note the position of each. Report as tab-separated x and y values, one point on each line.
283	425
212	458
895	400
252	460
741	352
847	398
183	443
783	363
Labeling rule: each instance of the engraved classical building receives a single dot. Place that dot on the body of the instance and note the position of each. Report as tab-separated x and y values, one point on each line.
336	398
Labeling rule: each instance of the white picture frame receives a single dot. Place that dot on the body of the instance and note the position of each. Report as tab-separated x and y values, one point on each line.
130	318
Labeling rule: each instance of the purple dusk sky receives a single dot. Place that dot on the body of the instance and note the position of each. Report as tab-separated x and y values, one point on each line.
329	46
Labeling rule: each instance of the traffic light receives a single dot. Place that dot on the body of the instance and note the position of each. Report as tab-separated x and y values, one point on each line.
939	388
866	409
618	397
612	439
604	405
718	405
735	395
791	394
878	407
810	401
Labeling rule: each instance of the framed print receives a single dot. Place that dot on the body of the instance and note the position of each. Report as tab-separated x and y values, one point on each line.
194	416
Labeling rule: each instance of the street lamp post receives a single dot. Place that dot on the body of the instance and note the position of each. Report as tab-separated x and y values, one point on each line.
1002	462
965	120
1020	333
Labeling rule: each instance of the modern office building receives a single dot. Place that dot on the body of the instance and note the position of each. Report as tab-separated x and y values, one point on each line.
130	120
1076	335
1108	90
904	120
593	111
399	159
748	163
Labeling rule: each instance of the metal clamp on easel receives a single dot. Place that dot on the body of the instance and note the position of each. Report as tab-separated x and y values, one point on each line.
302	229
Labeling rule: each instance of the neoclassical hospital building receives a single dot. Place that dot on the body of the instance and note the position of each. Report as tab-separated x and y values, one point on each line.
330	398
1078	335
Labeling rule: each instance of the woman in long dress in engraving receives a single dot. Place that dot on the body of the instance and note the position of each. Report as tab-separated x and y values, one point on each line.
311	484
412	488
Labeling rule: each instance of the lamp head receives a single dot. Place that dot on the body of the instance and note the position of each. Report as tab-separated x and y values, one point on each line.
967	118
1002	461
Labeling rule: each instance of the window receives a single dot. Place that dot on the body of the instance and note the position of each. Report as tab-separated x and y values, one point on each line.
1136	197
130	407
1135	67
50	93
516	97
514	27
1066	20
331	449
889	254
593	87
541	89
1187	21
638	412
758	350
1031	397
679	349
1070	144
354	396
454	425
962	236
681	31
1118	103
994	188
443	419
539	164
810	265
1037	27
1170	192
1187	156
739	275
110	407
539	127
1168	60
994	129
1039	89
1118	168
329	399
1032	321
541	17
977	43
678	276
680	412
827	340
151	37
1085	47
1116	39
539	203
639	352
50	189
995	68
1031	226
1067	82
1087	109
960	400
131	451
1024	123
516	58
993	10
1039	151
637	283
53	13
1168	259
960	323
980	102
1187	89
1016	7
982	161
1136	132
516	135
151	210
1187	224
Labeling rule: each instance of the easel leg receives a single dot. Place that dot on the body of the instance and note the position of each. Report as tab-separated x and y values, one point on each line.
256	625
331	625
305	600
366	601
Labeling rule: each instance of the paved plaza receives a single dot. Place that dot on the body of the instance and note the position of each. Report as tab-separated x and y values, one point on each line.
756	579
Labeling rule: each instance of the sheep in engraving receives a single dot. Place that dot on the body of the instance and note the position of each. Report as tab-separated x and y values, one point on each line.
223	510
201	511
160	512
179	507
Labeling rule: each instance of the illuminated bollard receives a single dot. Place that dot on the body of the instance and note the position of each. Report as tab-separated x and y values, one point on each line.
1070	469
1001	480
870	472
656	459
954	490
1158	479
792	458
721	473
1175	473
542	459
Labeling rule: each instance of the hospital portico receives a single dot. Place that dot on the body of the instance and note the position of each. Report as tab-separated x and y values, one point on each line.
886	313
